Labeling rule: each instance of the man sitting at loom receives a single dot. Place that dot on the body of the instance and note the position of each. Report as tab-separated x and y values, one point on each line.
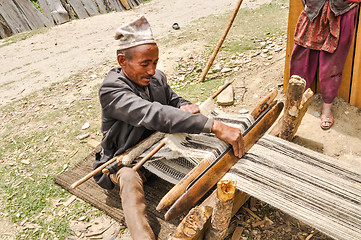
137	101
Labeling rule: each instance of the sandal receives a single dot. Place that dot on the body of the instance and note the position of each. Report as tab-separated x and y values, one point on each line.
326	122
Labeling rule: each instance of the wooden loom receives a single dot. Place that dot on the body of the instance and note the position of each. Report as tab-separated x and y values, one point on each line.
338	182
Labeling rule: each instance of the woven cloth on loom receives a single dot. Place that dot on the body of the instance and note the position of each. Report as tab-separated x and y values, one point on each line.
173	164
318	190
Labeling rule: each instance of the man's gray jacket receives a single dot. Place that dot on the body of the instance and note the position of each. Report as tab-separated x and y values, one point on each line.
131	113
338	7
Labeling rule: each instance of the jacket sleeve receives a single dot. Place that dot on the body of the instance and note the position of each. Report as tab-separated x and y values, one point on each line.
121	103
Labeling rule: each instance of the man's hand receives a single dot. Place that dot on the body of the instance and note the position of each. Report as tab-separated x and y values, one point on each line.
230	135
192	108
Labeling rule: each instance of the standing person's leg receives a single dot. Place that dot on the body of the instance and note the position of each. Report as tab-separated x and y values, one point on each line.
304	63
133	203
331	67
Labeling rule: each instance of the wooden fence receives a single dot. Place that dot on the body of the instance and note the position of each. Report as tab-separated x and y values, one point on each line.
21	15
350	89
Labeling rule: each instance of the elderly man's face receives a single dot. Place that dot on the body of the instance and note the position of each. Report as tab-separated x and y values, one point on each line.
139	63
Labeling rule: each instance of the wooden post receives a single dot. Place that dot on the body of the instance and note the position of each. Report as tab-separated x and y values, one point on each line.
222	212
285	128
296	106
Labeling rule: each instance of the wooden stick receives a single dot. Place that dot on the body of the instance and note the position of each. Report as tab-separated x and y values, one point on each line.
214	54
181	186
222	213
97	170
149	155
104	165
222	89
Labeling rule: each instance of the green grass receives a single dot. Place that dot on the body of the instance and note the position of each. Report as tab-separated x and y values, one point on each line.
30	163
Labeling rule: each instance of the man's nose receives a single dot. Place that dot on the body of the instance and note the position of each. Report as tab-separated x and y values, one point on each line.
151	70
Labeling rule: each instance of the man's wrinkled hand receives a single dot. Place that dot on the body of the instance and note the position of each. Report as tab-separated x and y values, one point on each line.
231	135
192	108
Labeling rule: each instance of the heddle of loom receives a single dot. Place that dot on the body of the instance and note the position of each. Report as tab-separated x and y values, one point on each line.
318	190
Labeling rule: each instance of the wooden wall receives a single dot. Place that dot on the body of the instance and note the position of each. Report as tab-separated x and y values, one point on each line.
21	15
350	88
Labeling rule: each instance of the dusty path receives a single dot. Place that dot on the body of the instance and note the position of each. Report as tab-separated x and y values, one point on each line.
53	56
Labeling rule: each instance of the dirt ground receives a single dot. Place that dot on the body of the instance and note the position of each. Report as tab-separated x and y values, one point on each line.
82	45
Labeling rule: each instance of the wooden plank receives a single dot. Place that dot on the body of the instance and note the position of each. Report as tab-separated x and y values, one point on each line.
115	5
13	17
45	8
5	30
101	6
78	8
355	98
90	7
33	17
295	9
125	4
58	12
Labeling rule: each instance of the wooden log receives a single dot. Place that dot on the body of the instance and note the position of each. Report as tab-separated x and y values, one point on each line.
180	188
296	106
32	16
240	198
222	213
13	17
305	102
193	225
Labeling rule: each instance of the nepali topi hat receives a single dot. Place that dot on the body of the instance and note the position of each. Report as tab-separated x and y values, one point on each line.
135	33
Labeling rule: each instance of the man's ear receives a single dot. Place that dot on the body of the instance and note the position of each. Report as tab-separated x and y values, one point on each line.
121	59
